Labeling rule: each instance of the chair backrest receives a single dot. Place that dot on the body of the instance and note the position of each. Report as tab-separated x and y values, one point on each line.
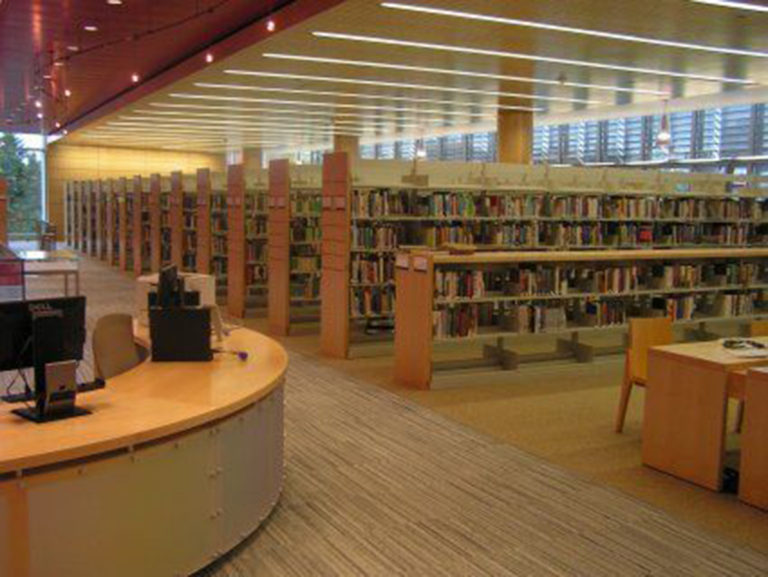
644	334
114	348
758	329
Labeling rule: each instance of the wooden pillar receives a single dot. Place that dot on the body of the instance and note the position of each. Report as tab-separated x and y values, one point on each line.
3	212
348	144
515	136
279	248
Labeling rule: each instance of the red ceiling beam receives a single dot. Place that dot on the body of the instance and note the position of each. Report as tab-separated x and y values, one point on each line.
285	18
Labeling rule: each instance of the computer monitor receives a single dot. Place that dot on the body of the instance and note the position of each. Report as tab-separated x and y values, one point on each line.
39	334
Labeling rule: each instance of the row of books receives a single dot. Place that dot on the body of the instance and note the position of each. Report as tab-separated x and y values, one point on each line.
189	202
372	269
468	320
301	233
219	245
219	267
372	302
305	263
255	251
256	274
370	237
255	227
190	221
306	204
384	202
307	289
568	279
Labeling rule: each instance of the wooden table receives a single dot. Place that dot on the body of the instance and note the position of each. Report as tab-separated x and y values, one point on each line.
65	263
753	484
686	403
176	465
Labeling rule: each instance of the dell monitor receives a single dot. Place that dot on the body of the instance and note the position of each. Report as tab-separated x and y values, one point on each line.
43	335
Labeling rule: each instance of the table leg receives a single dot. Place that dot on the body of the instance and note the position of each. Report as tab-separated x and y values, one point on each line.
685	419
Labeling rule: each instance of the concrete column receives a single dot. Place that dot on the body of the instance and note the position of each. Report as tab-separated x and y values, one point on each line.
348	144
515	136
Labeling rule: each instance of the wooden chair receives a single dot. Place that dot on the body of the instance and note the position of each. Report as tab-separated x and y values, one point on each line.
643	334
114	348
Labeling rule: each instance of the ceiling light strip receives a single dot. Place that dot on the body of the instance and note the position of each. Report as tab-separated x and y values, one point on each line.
334	114
451	72
734	5
529	57
572	30
409	86
218	98
363	95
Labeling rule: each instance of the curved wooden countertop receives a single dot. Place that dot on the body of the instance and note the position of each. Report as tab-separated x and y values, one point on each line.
148	403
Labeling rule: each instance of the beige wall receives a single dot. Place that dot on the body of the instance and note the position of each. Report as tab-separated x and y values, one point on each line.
69	162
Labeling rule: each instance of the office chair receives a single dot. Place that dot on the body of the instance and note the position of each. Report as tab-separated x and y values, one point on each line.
113	345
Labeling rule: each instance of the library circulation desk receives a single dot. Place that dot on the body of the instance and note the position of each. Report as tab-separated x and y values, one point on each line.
178	463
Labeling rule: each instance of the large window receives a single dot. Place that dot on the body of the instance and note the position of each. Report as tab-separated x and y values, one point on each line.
21	165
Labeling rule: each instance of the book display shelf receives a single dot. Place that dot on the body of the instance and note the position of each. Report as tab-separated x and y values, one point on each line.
69	205
114	220
183	219
377	207
101	219
92	218
160	221
246	239
173	215
4	212
295	244
125	224
488	297
75	187
212	227
140	225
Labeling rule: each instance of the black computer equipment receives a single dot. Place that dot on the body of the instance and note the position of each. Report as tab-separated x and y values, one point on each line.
179	329
47	335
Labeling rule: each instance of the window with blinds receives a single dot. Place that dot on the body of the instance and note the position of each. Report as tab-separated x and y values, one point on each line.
454	148
616	140
368	151
633	139
711	122
681	128
736	131
405	149
540	143
432	148
482	147
385	151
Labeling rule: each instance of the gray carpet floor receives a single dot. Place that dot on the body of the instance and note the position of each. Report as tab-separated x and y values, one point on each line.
376	485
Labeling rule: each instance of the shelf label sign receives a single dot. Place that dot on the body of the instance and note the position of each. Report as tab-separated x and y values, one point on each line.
401	261
340	202
420	263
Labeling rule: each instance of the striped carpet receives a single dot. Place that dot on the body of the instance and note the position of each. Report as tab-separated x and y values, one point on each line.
377	485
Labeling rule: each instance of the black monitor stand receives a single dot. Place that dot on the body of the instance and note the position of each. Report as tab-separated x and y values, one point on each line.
55	382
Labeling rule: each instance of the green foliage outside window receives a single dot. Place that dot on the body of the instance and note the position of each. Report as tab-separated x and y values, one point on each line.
22	170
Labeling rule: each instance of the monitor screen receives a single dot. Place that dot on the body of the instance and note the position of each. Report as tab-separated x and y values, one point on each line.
17	349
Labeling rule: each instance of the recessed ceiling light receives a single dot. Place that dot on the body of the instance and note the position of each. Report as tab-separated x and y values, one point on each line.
209	57
90	28
736	5
215	98
271	25
38	104
40	115
115	2
73	48
451	72
520	56
135	78
387	84
362	95
571	30
67	93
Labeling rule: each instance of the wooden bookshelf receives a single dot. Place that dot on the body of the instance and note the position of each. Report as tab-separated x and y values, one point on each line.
140	225
69	218
236	241
110	209
155	220
173	201
91	218
294	247
487	297
76	215
256	239
376	207
101	216
4	211
219	231
125	224
204	240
